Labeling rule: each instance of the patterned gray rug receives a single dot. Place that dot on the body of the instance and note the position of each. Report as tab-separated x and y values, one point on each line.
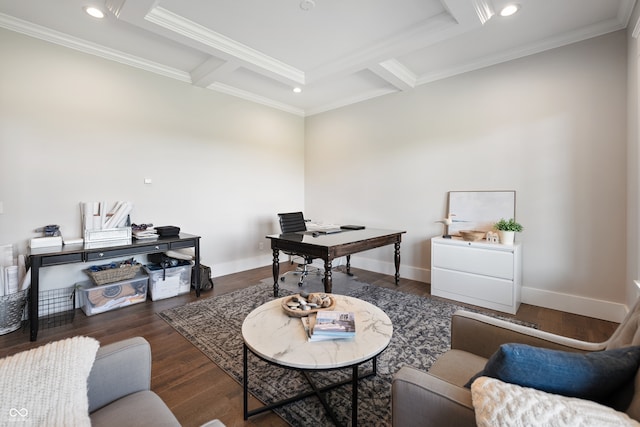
421	330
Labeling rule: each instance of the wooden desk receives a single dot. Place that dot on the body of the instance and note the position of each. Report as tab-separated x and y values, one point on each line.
330	246
69	254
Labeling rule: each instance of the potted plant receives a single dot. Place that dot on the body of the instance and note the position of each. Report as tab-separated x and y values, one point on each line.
507	230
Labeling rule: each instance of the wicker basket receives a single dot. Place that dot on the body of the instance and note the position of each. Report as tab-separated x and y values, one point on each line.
11	311
111	275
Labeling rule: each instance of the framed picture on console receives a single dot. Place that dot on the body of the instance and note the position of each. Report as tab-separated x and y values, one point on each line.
479	210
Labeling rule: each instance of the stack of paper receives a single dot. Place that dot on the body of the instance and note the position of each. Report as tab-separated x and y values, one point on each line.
148	234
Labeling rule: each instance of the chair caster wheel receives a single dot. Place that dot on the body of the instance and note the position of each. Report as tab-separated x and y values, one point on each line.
282	279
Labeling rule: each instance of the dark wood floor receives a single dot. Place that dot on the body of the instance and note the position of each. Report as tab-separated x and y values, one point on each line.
197	390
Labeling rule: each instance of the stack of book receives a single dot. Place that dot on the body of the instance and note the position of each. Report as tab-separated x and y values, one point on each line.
330	325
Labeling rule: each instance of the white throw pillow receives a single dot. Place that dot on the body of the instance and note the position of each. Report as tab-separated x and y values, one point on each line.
48	385
497	403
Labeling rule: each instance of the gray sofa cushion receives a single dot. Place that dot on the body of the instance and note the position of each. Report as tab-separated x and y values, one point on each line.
144	408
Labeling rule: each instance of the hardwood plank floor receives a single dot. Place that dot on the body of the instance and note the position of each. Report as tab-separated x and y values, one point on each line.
195	388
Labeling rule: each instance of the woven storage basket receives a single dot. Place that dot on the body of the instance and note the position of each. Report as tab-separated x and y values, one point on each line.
11	311
111	275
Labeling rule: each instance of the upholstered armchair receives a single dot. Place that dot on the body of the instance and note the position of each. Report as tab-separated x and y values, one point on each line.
439	397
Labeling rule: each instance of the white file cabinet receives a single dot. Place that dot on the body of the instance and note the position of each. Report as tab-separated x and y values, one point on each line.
483	274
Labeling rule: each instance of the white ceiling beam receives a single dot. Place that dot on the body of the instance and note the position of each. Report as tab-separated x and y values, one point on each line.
129	9
222	44
211	71
472	13
393	72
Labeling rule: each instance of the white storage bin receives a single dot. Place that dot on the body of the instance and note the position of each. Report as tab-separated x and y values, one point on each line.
168	282
99	299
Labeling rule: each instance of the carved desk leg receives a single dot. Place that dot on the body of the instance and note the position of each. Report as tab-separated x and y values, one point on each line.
349	273
328	281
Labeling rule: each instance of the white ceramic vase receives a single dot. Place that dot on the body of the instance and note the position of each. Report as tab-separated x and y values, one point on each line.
507	237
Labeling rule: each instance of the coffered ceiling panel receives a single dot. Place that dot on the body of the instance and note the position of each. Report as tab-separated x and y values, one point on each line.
337	52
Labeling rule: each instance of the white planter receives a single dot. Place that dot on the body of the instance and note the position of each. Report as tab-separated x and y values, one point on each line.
507	237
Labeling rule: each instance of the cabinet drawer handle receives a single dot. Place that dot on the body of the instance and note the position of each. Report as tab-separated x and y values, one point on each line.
101	254
158	247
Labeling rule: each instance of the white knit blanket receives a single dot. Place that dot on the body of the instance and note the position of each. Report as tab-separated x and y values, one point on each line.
47	386
497	403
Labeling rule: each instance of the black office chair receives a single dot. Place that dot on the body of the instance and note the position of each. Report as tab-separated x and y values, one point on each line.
293	222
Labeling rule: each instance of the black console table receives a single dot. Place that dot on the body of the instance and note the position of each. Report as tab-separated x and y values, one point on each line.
69	254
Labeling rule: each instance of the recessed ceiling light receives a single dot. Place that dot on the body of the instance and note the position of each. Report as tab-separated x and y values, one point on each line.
94	11
509	9
297	90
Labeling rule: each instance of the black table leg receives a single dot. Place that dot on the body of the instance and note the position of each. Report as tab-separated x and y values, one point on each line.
245	382
35	264
197	265
397	261
276	271
354	396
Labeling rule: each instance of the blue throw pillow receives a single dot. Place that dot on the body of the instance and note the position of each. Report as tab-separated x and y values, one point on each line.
594	376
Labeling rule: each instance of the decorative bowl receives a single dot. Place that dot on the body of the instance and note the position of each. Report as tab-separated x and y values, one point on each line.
297	312
472	235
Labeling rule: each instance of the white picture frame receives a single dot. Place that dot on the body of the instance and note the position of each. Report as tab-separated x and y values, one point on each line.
479	210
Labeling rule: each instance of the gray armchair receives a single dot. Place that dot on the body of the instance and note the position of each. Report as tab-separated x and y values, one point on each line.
119	387
438	397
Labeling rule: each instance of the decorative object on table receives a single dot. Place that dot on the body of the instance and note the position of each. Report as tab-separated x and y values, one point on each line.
479	210
507	229
472	235
447	222
106	227
492	237
168	230
113	272
330	325
301	305
49	230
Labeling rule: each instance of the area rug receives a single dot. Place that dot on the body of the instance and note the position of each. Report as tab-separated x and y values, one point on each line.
421	332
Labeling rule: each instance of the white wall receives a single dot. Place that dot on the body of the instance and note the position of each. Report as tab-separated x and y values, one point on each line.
633	159
551	126
74	128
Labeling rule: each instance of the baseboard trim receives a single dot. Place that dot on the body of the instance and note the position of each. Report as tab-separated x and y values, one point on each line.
600	309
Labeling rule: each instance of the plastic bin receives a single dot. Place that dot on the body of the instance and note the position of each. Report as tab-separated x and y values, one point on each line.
168	282
100	299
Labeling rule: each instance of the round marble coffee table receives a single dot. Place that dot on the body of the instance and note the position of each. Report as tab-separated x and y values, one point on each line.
272	335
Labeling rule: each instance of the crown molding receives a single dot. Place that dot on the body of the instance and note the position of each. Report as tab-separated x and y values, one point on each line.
180	25
239	93
350	100
55	37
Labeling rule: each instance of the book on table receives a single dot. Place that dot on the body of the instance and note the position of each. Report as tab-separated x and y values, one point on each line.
330	325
